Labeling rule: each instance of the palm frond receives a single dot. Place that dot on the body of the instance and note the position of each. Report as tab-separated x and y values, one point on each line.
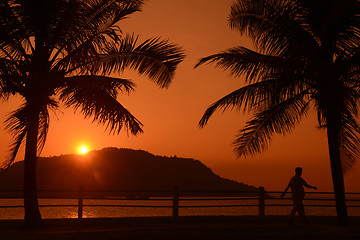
350	128
350	141
44	121
100	102
248	13
14	149
268	91
240	60
154	58
280	118
12	79
259	19
86	20
16	125
110	85
348	42
248	96
98	12
13	33
275	26
124	9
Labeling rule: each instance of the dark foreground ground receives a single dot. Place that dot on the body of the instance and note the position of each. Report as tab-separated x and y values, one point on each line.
227	228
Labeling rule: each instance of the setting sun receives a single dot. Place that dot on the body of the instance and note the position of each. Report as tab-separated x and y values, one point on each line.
83	149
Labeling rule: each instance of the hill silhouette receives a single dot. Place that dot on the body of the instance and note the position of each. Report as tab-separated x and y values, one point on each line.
121	170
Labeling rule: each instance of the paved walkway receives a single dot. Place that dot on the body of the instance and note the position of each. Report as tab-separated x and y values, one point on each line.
182	228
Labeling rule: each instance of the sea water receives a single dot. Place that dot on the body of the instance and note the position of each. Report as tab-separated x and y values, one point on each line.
11	208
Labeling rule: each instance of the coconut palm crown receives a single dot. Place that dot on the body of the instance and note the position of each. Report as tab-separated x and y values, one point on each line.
307	56
71	52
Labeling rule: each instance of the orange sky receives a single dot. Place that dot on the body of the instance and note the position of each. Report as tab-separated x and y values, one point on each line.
170	116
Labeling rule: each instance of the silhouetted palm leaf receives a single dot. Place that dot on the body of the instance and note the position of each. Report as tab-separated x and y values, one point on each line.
280	118
96	98
155	58
240	60
16	124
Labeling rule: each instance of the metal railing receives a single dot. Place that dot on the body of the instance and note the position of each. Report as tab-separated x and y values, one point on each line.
175	197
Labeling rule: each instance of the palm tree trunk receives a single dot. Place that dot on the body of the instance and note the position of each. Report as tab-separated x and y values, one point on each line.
31	205
334	139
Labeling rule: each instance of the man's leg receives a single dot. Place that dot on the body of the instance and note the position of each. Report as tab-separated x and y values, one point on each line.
293	212
301	211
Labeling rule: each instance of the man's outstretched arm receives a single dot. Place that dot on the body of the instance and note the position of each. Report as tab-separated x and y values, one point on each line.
286	189
309	186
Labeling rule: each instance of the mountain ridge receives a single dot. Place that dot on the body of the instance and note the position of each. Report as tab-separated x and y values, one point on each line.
121	170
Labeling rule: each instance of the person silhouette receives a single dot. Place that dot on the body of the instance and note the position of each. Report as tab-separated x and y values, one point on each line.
297	184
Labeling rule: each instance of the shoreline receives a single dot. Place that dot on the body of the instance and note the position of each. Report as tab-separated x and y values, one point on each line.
184	227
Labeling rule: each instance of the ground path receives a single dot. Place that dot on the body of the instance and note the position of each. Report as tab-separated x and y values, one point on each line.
182	228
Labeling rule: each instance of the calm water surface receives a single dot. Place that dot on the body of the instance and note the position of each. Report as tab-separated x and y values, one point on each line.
161	207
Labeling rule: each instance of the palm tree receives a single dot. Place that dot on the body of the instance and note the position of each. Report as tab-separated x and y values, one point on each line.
63	51
307	55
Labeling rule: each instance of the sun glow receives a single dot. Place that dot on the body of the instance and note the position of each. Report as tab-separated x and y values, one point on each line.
83	149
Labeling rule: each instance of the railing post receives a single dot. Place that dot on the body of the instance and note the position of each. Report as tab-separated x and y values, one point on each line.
80	203
261	201
176	202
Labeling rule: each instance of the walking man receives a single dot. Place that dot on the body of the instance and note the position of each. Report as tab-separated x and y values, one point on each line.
297	184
